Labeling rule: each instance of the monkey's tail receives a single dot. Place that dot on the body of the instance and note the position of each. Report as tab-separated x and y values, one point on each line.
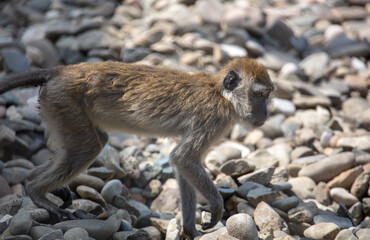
30	78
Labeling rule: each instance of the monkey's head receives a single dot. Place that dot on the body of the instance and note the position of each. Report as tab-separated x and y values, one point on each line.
247	85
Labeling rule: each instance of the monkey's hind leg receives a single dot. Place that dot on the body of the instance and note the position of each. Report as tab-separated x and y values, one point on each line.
188	207
80	143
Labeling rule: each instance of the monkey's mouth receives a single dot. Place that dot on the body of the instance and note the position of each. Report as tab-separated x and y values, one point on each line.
250	120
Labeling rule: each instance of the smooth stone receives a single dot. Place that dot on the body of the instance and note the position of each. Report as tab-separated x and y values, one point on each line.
101	172
43	53
220	233
262	176
15	60
358	143
275	60
341	222
345	234
303	212
93	39
315	65
154	233
242	226
140	234
353	107
363	234
237	167
257	195
39	231
210	11
360	185
111	189
56	234
14	175
11	207
305	182
267	219
87	180
90	193
342	195
262	158
21	223
111	160
321	192
329	167
4	187
284	106
98	229
173	230
346	179
41	157
322	231
76	233
285	204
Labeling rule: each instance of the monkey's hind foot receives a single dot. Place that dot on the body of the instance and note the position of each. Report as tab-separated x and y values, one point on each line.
65	194
59	214
190	233
216	215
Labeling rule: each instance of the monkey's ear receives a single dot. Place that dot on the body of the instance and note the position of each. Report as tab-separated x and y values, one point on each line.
231	81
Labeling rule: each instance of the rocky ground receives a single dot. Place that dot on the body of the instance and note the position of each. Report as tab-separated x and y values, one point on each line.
303	175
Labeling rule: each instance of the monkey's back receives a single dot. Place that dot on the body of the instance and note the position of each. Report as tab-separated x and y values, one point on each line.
143	99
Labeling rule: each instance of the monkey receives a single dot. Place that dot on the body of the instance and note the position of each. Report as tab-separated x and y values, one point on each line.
81	103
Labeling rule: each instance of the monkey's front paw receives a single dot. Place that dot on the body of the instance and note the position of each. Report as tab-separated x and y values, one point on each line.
216	215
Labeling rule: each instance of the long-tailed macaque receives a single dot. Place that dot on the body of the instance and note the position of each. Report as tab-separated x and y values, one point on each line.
81	103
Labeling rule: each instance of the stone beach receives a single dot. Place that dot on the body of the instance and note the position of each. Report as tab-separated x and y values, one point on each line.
304	174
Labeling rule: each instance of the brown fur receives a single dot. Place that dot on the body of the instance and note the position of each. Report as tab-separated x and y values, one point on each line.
80	103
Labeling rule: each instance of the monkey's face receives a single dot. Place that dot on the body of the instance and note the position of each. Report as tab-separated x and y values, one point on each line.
247	86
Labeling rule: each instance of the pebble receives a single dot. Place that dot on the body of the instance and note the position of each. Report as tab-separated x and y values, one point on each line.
242	226
97	229
322	231
21	223
267	219
76	233
329	167
341	222
237	167
40	231
262	176
56	234
14	175
315	65
90	193
87	180
360	185
339	194
345	234
304	212
111	189
345	179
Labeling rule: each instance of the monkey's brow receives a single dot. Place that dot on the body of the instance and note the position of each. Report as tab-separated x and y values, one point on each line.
258	87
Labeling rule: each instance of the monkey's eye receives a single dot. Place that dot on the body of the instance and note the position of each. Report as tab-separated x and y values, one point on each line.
263	94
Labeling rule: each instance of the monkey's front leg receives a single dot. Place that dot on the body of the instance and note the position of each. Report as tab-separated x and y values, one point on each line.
186	160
